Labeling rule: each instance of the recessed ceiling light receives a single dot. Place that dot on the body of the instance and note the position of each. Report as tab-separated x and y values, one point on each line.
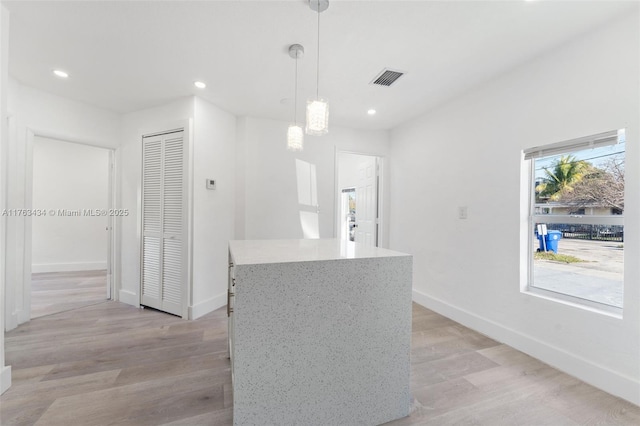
371	111
199	84
60	73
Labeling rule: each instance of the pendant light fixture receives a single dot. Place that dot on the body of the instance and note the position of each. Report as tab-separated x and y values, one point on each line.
318	108
295	134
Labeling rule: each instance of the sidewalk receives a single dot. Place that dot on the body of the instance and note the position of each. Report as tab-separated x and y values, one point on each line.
598	278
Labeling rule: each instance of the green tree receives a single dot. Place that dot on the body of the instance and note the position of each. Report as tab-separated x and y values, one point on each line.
561	178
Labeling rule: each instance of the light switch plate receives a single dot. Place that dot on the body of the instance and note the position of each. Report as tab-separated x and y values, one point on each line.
462	212
211	184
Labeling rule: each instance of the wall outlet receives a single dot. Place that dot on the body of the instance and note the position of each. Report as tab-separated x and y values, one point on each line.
462	212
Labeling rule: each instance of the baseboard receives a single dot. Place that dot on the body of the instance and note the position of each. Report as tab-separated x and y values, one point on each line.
11	321
23	316
5	379
15	319
129	297
596	375
209	305
67	267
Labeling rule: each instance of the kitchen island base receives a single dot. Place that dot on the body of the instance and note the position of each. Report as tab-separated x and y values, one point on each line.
321	342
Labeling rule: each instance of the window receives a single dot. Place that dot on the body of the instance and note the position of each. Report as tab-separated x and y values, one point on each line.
576	220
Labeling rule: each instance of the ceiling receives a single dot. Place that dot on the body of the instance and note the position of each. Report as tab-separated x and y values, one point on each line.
127	55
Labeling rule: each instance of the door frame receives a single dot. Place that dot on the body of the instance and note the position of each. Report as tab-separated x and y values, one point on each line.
113	264
381	165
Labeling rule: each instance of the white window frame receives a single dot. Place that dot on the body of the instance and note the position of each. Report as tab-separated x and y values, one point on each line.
567	147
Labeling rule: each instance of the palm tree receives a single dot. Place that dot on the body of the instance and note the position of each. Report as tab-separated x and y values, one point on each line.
561	178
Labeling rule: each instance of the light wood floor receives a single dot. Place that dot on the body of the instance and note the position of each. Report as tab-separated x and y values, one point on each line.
113	364
53	292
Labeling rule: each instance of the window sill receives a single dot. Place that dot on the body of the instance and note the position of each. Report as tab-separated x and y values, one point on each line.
587	305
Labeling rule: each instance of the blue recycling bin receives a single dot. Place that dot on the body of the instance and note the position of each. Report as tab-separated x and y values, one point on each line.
550	240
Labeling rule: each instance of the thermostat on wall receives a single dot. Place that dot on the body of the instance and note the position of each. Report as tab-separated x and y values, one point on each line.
211	184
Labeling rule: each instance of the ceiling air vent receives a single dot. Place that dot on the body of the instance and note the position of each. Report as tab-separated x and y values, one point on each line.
387	77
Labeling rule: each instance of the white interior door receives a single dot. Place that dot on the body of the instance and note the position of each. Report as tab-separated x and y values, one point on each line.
164	241
366	201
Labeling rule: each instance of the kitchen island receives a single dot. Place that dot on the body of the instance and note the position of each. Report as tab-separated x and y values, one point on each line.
319	332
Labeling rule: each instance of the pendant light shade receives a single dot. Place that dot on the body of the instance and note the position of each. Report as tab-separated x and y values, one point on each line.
317	117
318	108
295	134
295	138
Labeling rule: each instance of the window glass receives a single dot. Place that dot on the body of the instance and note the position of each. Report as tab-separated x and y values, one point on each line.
577	223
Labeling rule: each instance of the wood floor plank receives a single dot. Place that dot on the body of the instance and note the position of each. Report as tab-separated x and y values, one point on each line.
146	403
53	292
218	417
522	411
61	388
29	375
20	413
168	368
588	405
113	364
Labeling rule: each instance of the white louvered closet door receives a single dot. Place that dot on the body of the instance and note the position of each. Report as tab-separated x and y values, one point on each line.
164	222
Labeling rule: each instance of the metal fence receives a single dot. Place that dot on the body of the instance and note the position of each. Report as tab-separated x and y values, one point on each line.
589	232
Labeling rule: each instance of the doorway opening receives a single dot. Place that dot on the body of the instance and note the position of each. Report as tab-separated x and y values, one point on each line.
358	212
347	222
71	197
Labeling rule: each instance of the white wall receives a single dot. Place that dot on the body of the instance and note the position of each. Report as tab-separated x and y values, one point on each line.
5	371
134	125
242	123
213	153
270	208
69	176
468	153
38	113
213	210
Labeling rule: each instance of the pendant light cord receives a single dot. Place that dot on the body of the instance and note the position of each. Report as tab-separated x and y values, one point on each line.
295	95
318	59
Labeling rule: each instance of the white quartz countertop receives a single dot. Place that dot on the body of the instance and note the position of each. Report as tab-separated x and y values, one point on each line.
252	252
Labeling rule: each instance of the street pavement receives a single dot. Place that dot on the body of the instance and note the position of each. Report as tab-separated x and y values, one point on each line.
599	277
